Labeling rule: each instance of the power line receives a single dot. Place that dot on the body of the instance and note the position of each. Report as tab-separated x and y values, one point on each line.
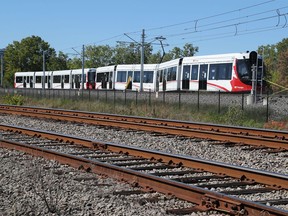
209	17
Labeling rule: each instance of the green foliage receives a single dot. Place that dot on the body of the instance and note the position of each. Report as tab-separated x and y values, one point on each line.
13	99
276	58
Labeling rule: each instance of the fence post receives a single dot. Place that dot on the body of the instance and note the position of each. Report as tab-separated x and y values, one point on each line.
242	101
125	97
149	97
267	108
198	100
179	99
219	102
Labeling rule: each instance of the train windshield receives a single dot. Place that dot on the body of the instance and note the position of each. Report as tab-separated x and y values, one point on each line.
91	76
244	70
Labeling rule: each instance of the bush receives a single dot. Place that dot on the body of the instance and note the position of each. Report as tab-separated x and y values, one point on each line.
14	99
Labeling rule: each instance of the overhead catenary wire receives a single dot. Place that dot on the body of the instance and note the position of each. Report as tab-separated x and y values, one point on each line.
214	25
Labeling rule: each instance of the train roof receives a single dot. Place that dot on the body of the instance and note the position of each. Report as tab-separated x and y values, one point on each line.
215	58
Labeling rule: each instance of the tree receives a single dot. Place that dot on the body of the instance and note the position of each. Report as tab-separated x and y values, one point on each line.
275	59
59	62
26	55
98	56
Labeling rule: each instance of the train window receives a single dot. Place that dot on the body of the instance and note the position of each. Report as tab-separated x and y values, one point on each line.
186	72
220	71
171	75
148	76
19	79
225	71
121	76
38	79
66	79
100	77
56	79
212	72
136	76
130	74
194	73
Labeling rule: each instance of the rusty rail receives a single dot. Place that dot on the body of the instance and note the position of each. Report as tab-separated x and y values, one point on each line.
204	199
242	135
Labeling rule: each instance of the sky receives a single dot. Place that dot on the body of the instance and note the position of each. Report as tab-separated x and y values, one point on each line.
214	26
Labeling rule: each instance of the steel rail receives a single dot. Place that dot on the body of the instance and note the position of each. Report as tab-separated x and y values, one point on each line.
156	121
204	199
241	138
274	180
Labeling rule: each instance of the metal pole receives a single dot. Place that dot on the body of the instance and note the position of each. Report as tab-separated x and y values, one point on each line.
44	70
2	66
83	62
142	61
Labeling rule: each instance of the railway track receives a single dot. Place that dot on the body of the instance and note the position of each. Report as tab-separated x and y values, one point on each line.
259	138
187	178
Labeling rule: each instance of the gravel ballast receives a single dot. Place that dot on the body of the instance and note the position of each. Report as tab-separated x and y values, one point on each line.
21	175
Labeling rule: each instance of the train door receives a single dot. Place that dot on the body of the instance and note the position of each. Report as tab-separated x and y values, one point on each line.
157	80
203	77
186	77
110	80
31	82
129	80
164	79
49	81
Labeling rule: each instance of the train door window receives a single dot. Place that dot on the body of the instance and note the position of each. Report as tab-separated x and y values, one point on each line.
148	77
136	76
194	72
121	76
186	77
186	72
19	79
203	77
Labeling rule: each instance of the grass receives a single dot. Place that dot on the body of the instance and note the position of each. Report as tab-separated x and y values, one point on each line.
232	115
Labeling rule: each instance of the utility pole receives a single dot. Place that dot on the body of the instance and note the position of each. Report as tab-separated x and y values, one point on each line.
142	61
44	77
83	62
2	65
142	44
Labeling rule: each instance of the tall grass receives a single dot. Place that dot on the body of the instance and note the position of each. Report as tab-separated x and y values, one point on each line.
229	115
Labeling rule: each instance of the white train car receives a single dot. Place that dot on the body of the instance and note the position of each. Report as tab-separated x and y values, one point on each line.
128	77
105	77
168	75
225	72
24	80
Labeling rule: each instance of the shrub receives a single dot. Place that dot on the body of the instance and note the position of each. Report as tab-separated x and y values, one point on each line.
14	99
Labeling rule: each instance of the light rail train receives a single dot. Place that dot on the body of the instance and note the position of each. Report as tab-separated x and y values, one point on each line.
224	72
